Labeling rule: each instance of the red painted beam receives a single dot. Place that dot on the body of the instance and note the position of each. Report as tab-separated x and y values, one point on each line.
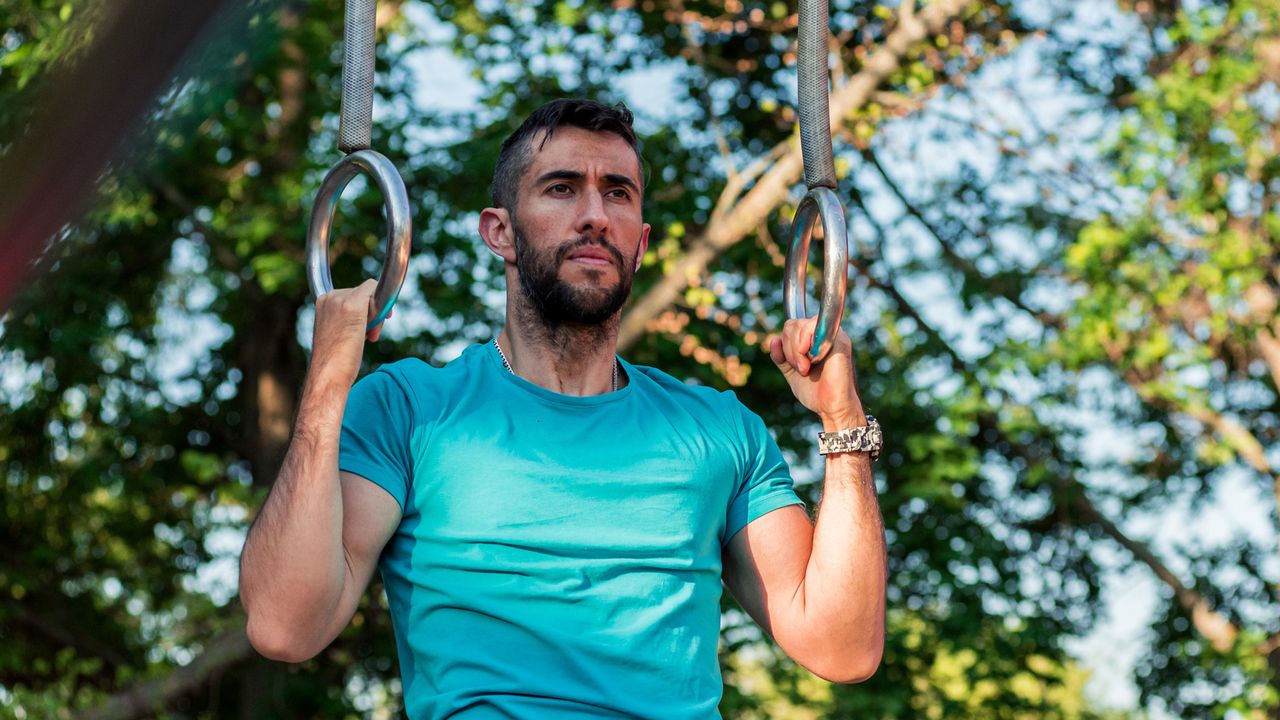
84	115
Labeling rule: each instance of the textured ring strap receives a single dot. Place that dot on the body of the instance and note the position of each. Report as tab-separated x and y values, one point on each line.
813	80
821	203
358	56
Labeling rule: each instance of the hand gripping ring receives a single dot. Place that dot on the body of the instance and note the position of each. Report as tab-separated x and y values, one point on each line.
820	202
398	227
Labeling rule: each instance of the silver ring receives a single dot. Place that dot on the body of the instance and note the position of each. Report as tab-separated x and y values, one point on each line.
396	199
820	202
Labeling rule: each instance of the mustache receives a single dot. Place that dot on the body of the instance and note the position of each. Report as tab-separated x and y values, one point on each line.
562	254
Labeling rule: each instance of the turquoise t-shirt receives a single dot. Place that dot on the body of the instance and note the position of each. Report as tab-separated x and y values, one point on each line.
558	556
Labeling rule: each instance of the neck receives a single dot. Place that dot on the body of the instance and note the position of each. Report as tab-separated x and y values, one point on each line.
564	358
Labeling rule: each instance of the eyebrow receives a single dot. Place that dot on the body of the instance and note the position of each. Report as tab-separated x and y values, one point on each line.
611	178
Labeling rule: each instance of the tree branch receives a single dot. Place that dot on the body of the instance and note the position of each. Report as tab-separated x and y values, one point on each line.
774	185
1261	301
144	698
1238	437
1212	625
945	244
56	630
1217	629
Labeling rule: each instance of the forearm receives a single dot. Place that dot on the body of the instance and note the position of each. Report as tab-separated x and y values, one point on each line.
293	568
843	592
821	589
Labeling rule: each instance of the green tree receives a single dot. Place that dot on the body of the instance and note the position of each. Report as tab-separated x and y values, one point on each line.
1181	310
150	375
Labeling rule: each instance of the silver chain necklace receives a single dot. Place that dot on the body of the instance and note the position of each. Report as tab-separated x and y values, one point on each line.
507	365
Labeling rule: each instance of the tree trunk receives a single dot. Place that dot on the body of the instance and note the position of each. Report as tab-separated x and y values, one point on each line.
273	366
1273	662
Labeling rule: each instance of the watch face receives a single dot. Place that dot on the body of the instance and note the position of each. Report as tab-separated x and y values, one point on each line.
874	438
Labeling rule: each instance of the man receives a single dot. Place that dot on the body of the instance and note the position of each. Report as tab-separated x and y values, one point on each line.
553	523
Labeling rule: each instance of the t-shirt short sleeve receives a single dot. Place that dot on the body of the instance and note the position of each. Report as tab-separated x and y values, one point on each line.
375	434
766	484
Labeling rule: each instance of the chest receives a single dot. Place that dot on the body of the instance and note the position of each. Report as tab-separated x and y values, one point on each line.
592	482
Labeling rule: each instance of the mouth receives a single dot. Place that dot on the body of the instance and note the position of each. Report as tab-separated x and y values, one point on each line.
592	257
592	261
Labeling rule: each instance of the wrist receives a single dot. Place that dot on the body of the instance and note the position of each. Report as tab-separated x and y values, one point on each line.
330	378
842	419
322	395
845	433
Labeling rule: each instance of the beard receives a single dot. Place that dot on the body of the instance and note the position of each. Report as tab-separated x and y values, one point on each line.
558	302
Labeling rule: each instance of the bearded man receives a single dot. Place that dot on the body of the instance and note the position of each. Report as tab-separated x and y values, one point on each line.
554	524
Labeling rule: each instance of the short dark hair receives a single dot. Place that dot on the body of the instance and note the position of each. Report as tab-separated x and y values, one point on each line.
517	154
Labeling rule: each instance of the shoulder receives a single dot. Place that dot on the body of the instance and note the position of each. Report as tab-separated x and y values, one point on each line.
700	399
401	371
400	377
671	385
413	371
417	382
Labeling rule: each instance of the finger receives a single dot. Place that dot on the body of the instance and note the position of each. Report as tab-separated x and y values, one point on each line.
372	335
796	355
778	356
843	347
805	332
774	345
369	289
808	329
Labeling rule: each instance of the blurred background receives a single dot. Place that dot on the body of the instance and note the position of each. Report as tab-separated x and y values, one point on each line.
1063	298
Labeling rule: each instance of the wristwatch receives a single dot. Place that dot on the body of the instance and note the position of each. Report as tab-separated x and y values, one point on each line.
860	439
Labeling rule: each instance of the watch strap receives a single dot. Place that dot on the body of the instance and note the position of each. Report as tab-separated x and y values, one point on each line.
867	438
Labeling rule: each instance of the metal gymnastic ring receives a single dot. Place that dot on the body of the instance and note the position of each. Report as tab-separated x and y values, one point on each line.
820	202
398	227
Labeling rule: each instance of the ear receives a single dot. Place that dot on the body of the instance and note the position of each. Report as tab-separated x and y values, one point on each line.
644	243
497	232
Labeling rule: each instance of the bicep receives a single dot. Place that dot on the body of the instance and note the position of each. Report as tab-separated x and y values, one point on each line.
369	517
765	563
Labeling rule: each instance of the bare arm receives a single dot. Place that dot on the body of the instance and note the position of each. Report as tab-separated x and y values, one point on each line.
819	590
313	547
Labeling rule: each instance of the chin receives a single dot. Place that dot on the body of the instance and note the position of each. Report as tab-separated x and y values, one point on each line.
592	273
591	282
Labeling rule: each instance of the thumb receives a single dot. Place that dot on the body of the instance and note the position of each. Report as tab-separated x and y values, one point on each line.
779	357
373	333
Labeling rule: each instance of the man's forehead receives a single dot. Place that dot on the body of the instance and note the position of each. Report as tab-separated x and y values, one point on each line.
578	149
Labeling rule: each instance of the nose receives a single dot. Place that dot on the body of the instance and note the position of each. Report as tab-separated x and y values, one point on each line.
591	214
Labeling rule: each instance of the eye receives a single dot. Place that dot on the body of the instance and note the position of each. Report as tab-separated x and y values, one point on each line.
621	193
560	189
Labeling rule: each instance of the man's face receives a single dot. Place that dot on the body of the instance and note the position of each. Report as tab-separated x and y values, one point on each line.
578	230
